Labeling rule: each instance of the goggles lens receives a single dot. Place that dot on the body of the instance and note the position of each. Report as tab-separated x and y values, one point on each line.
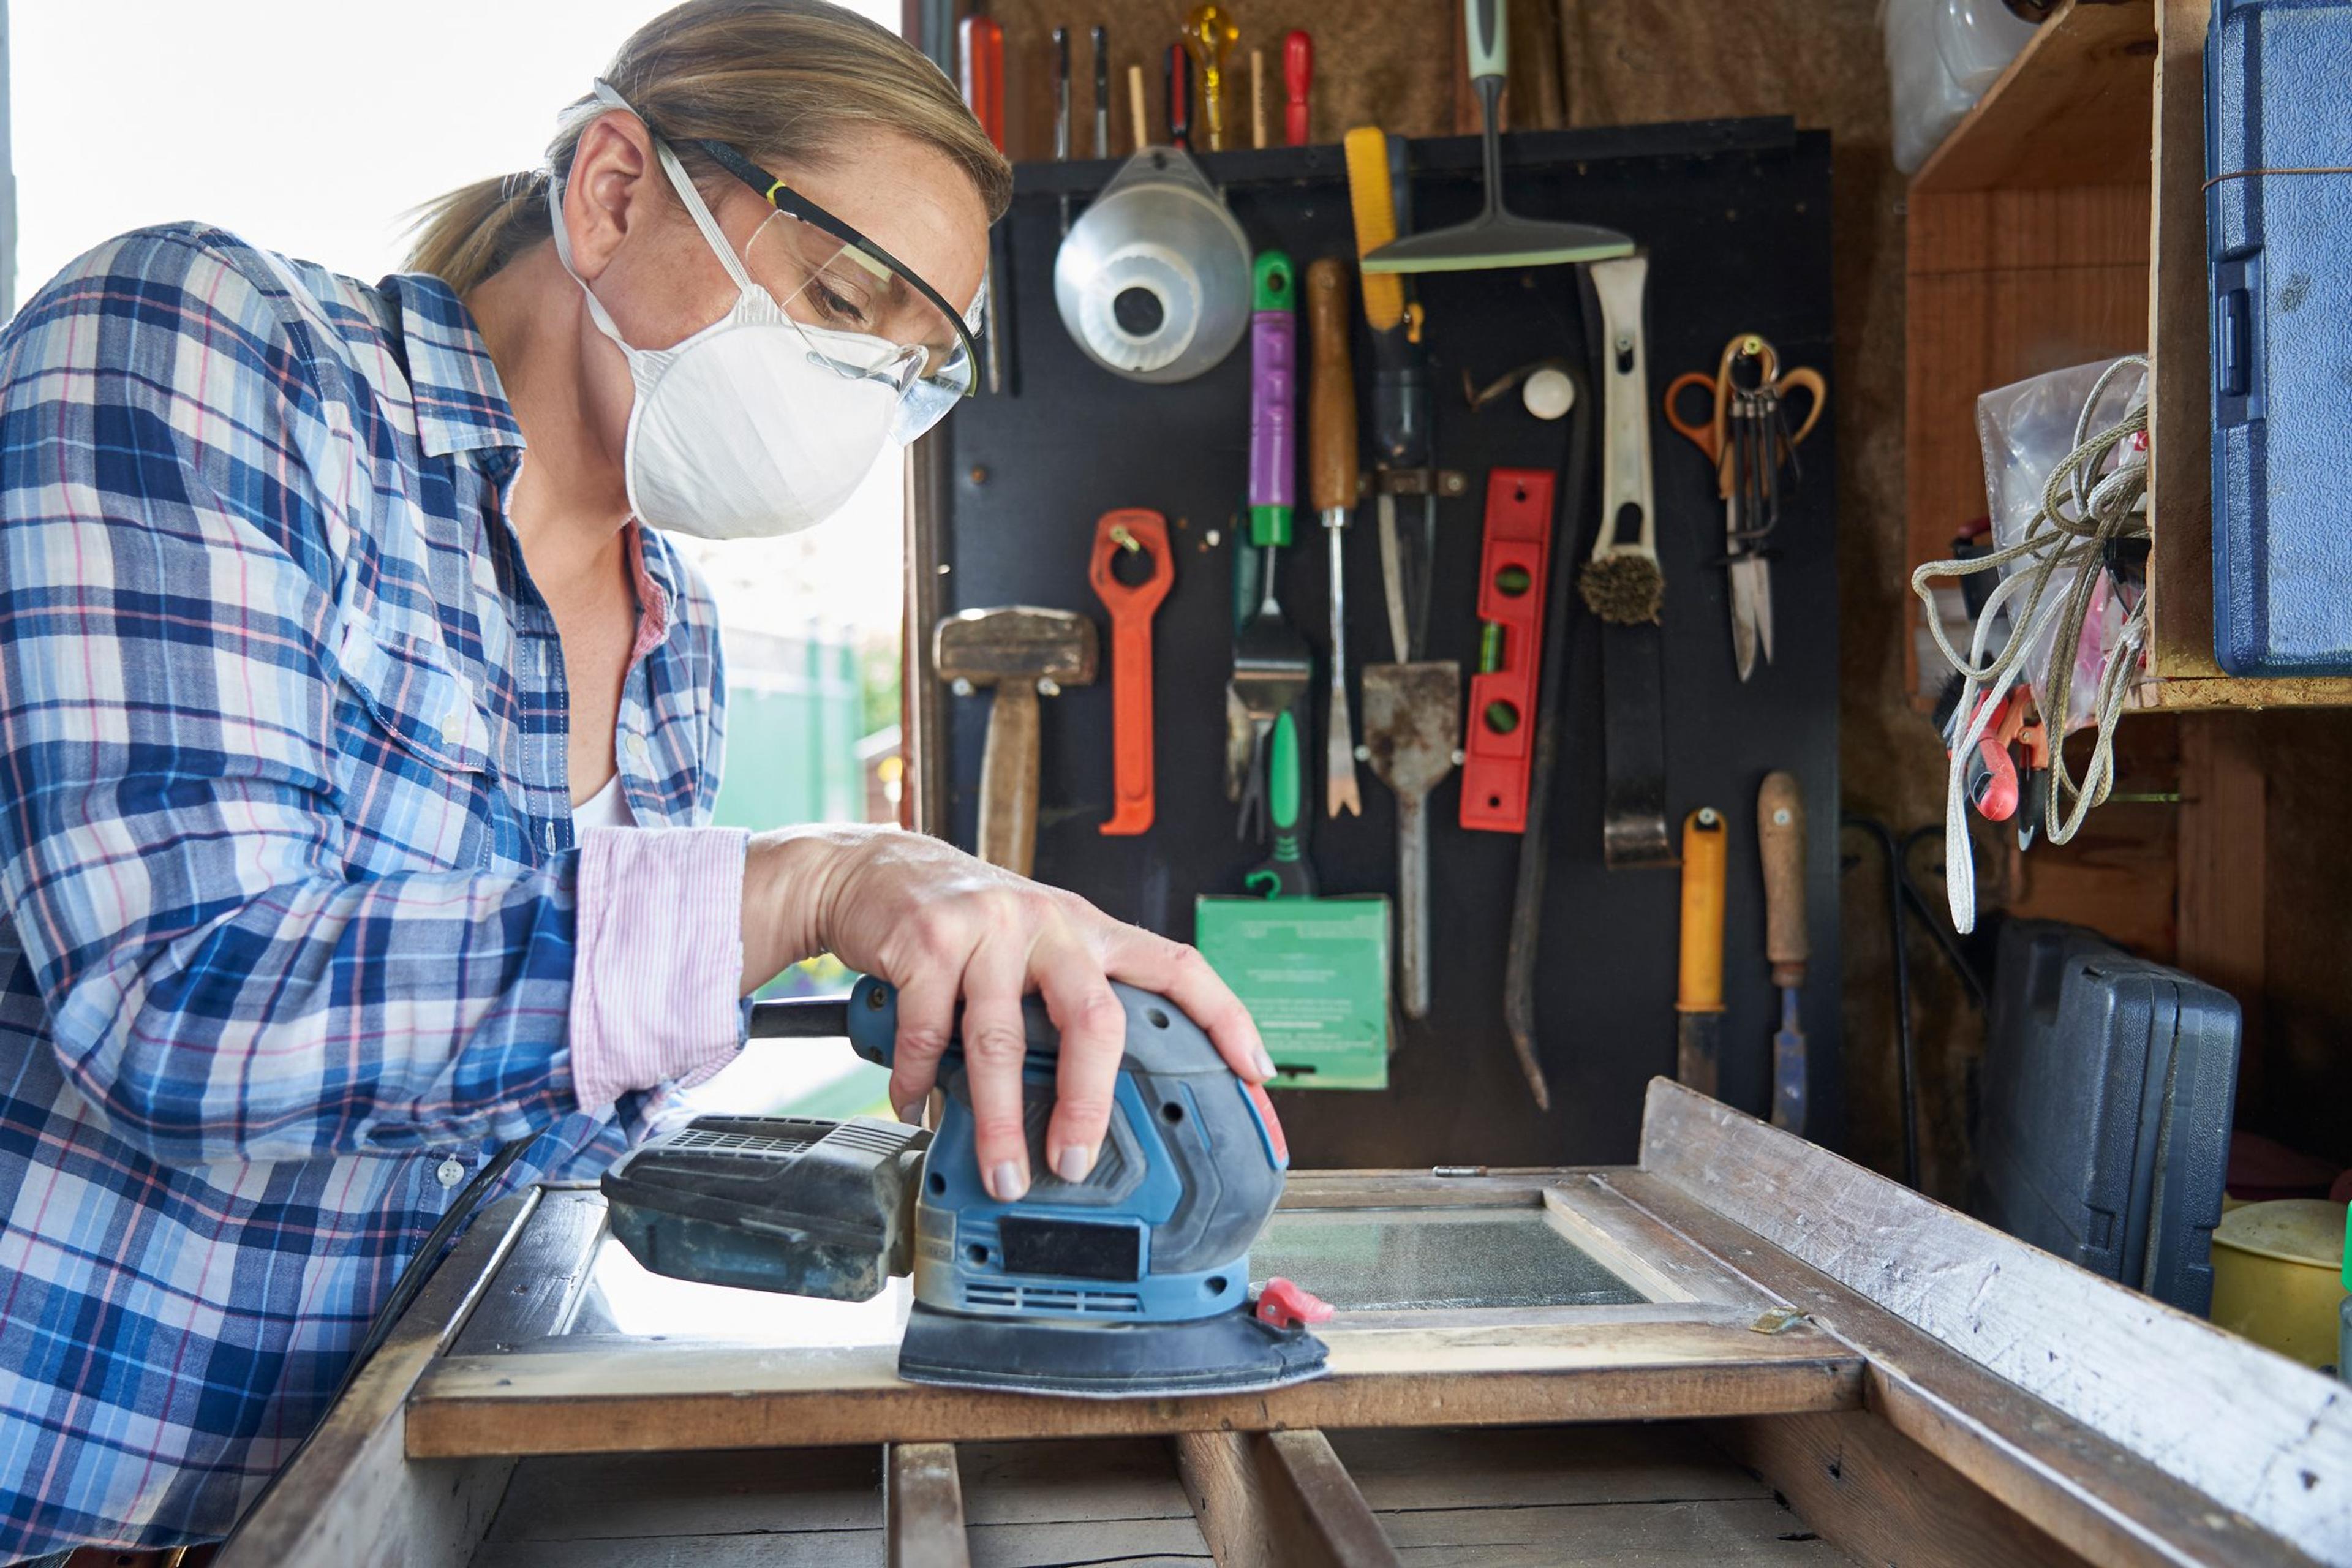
863	319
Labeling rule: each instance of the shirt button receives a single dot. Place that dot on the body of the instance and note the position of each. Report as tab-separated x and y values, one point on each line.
451	1172
638	749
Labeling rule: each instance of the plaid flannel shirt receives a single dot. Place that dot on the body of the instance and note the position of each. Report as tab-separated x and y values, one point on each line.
288	891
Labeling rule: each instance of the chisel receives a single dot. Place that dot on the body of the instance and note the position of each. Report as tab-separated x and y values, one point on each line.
1331	483
1101	40
1062	111
1698	994
1780	838
981	47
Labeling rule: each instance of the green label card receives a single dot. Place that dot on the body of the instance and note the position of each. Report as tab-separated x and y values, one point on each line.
1315	974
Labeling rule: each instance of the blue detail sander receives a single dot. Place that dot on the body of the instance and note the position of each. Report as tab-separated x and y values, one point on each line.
1132	1282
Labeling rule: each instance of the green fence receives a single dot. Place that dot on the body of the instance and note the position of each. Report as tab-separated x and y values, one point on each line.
795	713
796	710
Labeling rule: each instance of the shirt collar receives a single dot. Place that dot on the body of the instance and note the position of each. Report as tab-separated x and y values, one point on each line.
461	406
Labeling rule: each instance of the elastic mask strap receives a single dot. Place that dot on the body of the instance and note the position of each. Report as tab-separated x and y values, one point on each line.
596	312
712	234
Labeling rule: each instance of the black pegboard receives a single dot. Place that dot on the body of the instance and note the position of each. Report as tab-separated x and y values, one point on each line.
1735	216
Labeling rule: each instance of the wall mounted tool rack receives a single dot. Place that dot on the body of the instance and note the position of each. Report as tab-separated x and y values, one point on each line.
1735	216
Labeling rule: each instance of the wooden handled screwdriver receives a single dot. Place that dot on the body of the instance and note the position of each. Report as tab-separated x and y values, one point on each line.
1698	993
1780	838
1331	487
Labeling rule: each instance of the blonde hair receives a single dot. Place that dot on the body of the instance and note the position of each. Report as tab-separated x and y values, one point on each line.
788	81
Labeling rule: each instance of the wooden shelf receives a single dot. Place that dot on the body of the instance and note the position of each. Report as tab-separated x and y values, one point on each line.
2063	221
2071	109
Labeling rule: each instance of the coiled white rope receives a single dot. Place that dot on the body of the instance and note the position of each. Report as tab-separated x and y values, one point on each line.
2083	514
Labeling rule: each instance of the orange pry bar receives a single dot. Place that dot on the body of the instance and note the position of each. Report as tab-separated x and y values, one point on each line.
1129	531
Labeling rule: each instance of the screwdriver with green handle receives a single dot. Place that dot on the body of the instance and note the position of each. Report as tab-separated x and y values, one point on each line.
1284	873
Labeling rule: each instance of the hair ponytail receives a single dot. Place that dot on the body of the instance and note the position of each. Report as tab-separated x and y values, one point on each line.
789	81
465	235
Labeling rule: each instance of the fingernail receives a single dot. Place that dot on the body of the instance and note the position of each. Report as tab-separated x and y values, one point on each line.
1073	1162
1008	1184
1264	1063
911	1113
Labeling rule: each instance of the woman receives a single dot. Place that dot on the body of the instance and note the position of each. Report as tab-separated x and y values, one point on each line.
339	658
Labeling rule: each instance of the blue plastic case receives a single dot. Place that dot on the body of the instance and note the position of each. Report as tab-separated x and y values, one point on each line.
2278	234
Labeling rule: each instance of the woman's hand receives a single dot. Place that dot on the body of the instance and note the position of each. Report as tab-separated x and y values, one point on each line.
941	927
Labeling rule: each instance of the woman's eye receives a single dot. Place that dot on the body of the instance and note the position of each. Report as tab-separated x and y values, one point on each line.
838	308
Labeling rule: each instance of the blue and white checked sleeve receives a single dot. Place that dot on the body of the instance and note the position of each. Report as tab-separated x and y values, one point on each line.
174	560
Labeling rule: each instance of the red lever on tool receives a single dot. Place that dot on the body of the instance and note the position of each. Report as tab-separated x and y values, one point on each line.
1298	75
1511	584
1138	535
1285	1305
983	75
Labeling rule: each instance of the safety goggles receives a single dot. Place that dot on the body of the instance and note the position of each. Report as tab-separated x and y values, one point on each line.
865	313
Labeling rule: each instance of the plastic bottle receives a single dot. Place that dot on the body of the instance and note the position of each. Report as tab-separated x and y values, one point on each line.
1941	55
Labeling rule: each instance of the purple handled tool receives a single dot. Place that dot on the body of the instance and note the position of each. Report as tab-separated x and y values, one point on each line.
1274	400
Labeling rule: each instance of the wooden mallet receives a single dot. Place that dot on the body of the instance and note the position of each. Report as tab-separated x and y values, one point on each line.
1024	653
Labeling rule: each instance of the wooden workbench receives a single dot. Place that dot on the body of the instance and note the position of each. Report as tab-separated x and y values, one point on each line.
1800	1361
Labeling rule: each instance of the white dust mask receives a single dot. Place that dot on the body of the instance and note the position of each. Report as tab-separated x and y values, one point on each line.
742	430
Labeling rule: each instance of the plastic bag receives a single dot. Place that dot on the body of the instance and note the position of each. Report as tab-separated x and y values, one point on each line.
2026	430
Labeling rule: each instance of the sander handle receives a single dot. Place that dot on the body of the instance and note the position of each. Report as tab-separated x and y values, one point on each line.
869	1019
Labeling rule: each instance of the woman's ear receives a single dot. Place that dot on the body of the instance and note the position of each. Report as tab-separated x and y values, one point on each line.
614	185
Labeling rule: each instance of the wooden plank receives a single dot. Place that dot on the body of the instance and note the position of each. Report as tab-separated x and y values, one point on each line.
2069	109
2127	1430
2224	858
1411	1469
2003	231
1882	1498
2180	425
542	1275
832	1549
1277	1499
581	1396
2118	874
825	1504
1416	1189
922	1507
350	1496
1647	1255
1228	1497
2088	1492
1320	1516
1137	1543
1748	1531
2199	694
654	1497
1102	1478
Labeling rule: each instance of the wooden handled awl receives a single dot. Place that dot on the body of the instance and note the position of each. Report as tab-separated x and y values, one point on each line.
1024	654
1698	991
1780	838
1331	487
1131	571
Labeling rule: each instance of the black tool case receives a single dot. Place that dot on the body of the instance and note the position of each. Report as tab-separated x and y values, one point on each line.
2102	1127
1735	216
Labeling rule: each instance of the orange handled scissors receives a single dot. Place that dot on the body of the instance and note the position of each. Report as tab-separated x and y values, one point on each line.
1747	440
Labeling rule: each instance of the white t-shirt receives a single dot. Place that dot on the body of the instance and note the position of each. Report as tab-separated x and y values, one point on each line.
608	807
